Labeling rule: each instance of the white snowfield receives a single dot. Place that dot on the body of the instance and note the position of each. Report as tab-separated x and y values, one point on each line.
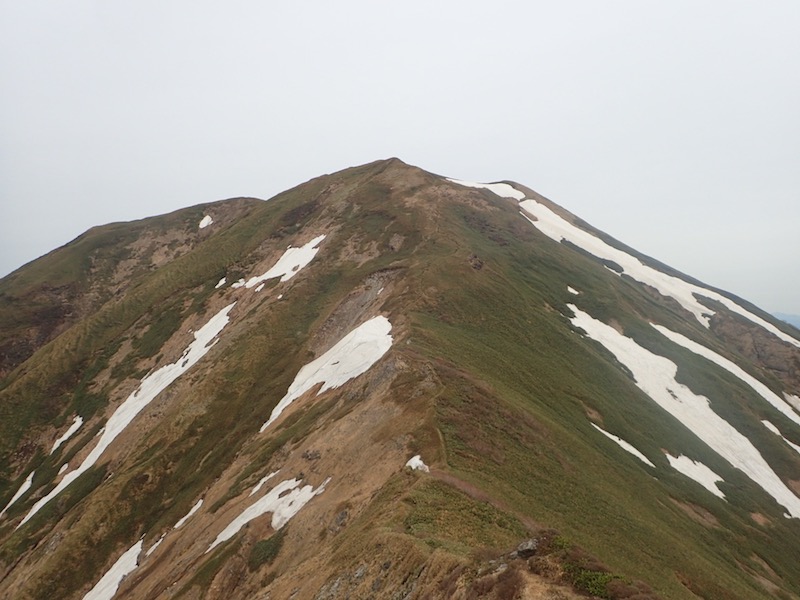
188	515
290	262
149	388
76	424
501	189
761	389
655	376
559	229
26	485
284	501
777	432
628	447
205	222
415	462
698	471
109	583
351	356
262	481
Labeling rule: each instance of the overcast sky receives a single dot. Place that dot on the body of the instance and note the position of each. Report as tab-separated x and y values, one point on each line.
673	126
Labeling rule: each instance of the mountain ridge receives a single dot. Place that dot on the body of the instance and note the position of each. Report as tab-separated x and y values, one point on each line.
487	379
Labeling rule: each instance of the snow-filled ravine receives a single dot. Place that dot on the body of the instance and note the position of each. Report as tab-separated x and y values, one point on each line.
627	446
26	485
149	388
559	229
733	369
290	263
351	356
109	583
655	376
284	501
76	424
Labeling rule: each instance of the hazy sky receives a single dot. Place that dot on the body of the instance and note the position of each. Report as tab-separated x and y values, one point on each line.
673	126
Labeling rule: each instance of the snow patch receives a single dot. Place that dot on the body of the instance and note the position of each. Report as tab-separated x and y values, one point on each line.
238	284
260	287
194	509
284	501
655	376
697	471
559	229
625	445
503	190
290	263
793	400
63	468
205	222
149	388
777	432
351	356
734	369
26	485
572	290
109	583
415	462
156	545
262	481
76	424
220	283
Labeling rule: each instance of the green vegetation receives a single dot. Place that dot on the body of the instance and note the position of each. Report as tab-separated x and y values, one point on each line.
264	552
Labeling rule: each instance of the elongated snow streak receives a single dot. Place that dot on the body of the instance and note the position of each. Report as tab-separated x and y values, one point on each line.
793	400
188	515
572	290
156	545
262	481
559	229
26	485
63	468
76	424
149	388
351	356
698	471
501	189
205	222
628	447
655	376
283	507
777	432
109	583
733	369
415	462
290	263
220	283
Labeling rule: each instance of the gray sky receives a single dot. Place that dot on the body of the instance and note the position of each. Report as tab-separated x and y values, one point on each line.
673	126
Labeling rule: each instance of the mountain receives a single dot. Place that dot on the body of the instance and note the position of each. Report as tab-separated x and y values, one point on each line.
387	384
793	320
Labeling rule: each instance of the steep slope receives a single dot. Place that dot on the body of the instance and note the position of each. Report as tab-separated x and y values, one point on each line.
384	383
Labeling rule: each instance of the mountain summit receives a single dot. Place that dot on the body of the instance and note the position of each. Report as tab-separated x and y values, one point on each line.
384	383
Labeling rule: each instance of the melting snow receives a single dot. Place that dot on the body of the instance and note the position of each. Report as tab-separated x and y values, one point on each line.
284	501
194	509
238	284
777	431
260	287
351	356
415	462
290	263
149	388
26	485
63	468
793	400
262	481
655	376
501	189
697	471
572	290
559	229
108	584
156	545
625	445
205	222
76	424
734	369
220	283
